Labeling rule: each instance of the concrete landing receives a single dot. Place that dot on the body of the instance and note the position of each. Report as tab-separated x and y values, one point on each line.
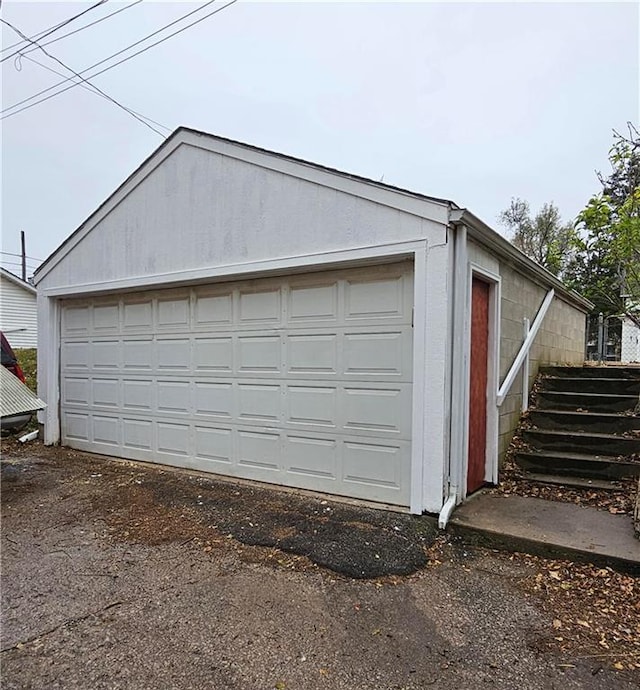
549	529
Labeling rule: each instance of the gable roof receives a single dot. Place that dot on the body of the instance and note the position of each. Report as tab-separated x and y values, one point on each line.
17	281
186	135
403	199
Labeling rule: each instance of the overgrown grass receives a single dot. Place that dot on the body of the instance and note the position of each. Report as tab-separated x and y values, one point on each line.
28	360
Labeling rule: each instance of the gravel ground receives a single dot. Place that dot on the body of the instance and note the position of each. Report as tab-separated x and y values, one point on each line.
118	575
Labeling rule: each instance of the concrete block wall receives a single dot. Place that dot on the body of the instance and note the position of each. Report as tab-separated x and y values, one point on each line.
559	341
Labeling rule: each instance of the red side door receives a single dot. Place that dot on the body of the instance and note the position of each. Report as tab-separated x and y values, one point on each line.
478	384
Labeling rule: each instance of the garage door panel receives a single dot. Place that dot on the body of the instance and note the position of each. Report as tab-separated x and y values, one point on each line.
214	399
373	464
137	433
137	354
213	355
311	457
258	451
106	430
377	298
173	438
214	444
106	354
173	354
312	405
173	313
212	310
384	410
312	353
260	307
76	356
76	390
138	394
259	354
106	318
374	353
76	320
138	315
313	303
174	396
302	381
259	401
106	392
76	425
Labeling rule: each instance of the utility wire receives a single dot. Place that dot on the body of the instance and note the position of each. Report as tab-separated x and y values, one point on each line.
96	91
124	50
47	32
17	263
113	100
19	255
24	51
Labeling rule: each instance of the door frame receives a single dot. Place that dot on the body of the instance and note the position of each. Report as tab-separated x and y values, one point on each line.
493	368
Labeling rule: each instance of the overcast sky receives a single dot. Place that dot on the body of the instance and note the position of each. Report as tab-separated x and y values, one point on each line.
475	102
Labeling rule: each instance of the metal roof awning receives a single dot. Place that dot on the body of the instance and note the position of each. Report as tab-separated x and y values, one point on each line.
15	397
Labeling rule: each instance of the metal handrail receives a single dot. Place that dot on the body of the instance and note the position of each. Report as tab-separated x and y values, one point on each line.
524	349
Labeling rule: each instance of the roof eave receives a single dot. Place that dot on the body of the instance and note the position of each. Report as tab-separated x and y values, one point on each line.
18	281
487	236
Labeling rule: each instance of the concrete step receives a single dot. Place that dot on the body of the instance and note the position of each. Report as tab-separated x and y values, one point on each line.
606	423
581	442
586	402
572	482
574	464
617	372
583	384
549	529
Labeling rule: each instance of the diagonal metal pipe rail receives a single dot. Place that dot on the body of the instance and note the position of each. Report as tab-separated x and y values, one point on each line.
524	348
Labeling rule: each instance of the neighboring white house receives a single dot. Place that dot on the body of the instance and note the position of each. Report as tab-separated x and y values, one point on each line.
630	350
238	311
18	310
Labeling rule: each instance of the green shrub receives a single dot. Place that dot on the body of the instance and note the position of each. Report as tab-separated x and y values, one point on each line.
28	360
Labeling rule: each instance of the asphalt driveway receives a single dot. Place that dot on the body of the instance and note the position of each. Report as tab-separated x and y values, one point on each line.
117	575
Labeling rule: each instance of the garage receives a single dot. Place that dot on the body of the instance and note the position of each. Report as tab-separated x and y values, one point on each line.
238	311
303	381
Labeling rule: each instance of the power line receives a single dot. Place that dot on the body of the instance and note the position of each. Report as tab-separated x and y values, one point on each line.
86	81
96	91
25	52
124	50
20	255
16	263
47	32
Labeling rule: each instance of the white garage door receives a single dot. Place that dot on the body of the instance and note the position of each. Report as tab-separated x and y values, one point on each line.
302	380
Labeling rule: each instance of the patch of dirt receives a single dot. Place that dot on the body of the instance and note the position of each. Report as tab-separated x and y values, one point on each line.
146	505
595	611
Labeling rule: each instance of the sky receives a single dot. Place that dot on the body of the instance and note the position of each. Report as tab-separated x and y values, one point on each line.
473	102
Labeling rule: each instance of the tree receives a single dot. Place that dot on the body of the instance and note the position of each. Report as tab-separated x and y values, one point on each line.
606	267
543	238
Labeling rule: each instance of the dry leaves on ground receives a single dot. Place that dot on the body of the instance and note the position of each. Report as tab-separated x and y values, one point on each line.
595	611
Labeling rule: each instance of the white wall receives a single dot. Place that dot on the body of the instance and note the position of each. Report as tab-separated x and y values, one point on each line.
18	314
198	208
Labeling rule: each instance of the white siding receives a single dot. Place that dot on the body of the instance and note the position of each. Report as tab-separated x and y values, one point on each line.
200	209
18	314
